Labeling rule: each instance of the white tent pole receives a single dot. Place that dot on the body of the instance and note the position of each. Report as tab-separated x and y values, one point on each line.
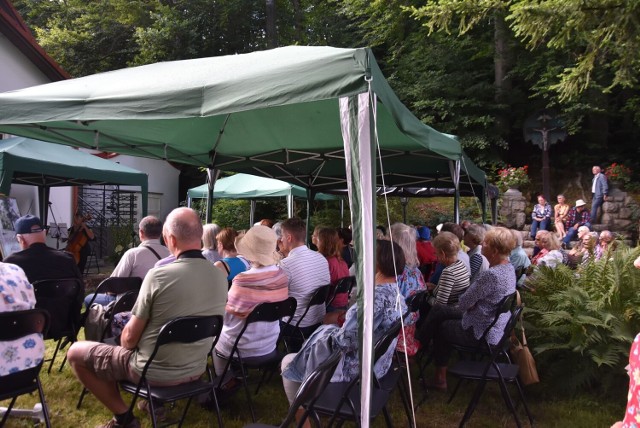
341	212
290	204
355	118
252	214
455	175
212	176
188	201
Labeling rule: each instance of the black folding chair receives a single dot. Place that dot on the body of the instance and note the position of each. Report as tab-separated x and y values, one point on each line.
179	330
492	370
115	286
344	285
62	298
341	400
308	393
13	326
294	336
124	304
264	312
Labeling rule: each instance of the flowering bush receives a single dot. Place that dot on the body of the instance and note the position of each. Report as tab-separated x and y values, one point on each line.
512	176
618	173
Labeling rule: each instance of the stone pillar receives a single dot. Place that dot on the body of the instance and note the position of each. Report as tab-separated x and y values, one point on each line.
512	209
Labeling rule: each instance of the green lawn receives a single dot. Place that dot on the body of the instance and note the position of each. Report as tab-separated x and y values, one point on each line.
62	391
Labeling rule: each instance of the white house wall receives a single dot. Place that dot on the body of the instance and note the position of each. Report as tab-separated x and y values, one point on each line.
16	70
163	183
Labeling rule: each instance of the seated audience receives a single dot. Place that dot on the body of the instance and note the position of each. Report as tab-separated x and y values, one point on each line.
578	216
210	243
307	271
345	235
230	263
16	294
343	334
190	286
541	216
473	239
454	279
328	244
561	212
518	258
577	253
457	230
410	281
477	306
38	261
139	260
550	254
606	243
426	252
263	282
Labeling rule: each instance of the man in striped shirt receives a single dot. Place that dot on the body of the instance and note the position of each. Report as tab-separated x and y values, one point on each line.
307	271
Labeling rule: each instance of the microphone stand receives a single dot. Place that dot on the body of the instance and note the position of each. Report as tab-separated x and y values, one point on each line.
57	228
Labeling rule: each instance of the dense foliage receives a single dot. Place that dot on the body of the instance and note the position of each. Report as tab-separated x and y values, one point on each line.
582	322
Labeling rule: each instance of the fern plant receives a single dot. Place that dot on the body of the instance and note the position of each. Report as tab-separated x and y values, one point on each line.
582	323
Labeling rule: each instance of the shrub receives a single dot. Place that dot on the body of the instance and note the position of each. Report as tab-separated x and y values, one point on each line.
583	323
512	176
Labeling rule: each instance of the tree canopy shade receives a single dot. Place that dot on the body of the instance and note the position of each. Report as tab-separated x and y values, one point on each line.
37	163
273	113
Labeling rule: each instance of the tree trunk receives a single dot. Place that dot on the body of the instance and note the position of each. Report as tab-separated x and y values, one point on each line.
272	37
502	65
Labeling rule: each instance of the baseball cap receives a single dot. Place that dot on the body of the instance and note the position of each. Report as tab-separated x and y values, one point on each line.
28	224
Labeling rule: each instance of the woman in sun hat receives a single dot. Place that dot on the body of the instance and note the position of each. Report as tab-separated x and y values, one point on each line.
263	282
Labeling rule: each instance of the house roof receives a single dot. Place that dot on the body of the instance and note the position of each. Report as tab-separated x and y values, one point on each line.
16	30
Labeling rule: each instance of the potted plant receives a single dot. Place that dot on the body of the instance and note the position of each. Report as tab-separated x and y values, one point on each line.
513	177
618	175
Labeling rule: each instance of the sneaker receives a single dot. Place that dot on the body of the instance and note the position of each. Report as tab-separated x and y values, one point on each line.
161	413
113	423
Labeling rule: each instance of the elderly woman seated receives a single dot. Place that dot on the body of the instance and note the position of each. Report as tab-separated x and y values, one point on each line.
410	281
454	279
344	335
263	282
477	307
550	254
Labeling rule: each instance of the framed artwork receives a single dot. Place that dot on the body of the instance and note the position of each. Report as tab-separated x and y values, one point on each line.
9	213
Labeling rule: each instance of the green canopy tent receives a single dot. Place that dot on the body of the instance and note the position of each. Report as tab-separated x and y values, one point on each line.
319	117
46	165
247	186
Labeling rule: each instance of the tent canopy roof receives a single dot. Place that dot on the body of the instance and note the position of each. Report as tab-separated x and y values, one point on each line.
246	186
272	113
37	163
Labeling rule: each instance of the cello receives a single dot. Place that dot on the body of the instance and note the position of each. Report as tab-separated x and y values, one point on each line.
78	238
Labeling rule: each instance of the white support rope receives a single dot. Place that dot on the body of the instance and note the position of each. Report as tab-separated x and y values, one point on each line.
398	295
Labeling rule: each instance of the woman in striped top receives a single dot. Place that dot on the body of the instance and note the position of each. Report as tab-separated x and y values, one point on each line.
455	276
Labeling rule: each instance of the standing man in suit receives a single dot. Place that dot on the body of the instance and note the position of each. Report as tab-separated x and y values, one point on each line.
599	191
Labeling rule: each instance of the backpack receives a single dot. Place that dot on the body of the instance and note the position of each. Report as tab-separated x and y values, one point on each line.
97	321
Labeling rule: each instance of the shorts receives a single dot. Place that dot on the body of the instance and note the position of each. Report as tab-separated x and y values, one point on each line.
111	363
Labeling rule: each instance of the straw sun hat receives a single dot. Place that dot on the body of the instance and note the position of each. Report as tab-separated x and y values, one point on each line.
258	245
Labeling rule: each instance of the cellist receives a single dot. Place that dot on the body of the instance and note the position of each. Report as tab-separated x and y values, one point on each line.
79	236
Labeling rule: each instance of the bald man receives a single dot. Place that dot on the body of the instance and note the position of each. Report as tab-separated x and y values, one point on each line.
190	286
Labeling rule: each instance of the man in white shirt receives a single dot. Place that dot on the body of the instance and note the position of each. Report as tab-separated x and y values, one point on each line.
139	260
307	271
599	192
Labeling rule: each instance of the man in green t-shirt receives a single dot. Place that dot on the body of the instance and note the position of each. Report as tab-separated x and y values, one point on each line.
190	286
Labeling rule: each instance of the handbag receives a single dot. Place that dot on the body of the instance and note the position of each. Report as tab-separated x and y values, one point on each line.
97	321
521	355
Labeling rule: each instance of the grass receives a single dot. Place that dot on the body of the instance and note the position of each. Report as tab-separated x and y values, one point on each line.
62	391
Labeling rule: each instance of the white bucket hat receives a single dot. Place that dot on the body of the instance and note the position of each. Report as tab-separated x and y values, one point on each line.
580	203
259	245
